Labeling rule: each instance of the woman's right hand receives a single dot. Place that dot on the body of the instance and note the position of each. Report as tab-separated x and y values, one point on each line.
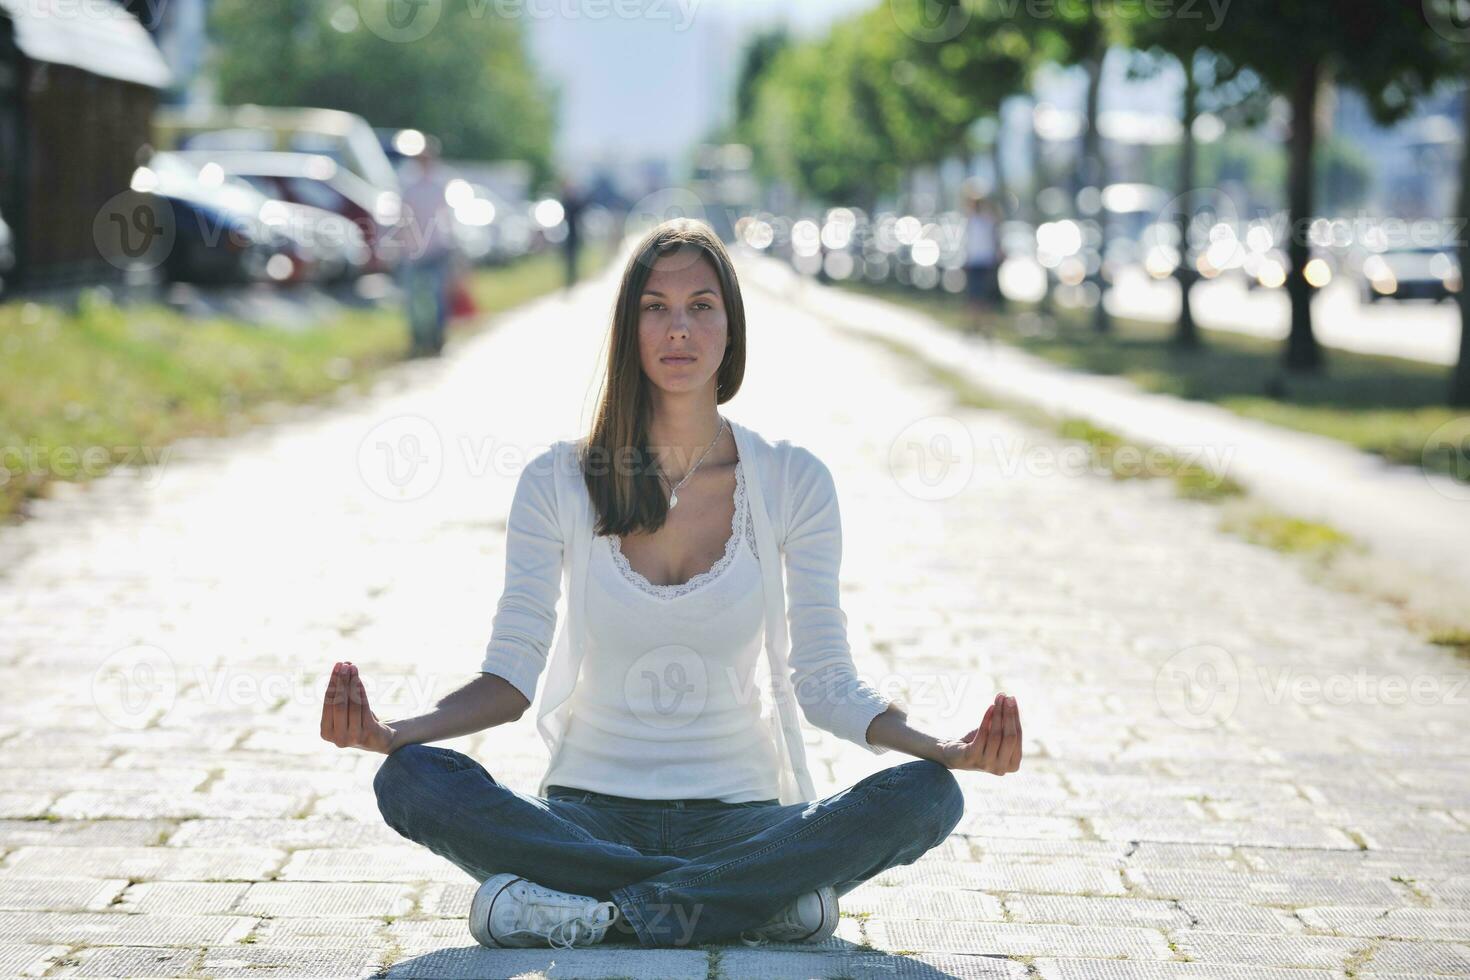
347	721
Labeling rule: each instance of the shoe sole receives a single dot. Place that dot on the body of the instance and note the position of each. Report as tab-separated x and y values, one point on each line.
480	914
824	930
830	916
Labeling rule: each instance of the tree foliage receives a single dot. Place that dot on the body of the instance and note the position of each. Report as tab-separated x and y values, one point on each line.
469	80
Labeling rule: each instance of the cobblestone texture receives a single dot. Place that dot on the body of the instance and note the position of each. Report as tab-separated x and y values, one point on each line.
190	822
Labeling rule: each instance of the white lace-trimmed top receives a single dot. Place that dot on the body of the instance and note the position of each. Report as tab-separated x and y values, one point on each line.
666	707
742	516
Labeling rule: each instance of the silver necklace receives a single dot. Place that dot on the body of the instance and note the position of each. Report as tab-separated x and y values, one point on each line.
674	490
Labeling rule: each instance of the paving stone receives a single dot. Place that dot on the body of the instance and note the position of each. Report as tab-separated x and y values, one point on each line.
182	897
1078	910
363	804
1278	890
403	863
801	966
1390	956
83	833
1312	952
1453	891
1240	917
1388	923
17	805
1020	849
475	962
1063	877
154	863
946	904
1016	939
308	832
285	961
1164	854
123	929
320	932
447	900
326	899
58	894
1365	863
982	824
130	781
1090	969
89	804
293	783
129	961
28	959
1135	786
1260	832
169	760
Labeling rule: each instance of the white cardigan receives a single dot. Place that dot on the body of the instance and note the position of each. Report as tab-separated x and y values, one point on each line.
793	502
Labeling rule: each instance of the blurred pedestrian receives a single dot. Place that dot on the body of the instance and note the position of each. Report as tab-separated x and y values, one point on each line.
982	258
573	203
429	263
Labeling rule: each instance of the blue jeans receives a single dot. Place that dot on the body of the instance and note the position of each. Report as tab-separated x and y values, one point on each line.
682	872
426	281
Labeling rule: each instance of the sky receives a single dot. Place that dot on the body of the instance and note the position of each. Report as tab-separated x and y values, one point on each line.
650	85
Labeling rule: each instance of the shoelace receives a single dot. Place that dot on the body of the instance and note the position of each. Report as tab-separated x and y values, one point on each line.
754	937
566	933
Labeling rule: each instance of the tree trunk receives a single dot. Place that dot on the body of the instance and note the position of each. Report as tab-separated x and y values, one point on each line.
1186	335
1460	375
1040	180
1002	188
1303	353
1094	175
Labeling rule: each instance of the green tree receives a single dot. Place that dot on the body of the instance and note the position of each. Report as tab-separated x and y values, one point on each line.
1381	48
1213	84
1081	34
468	81
1451	41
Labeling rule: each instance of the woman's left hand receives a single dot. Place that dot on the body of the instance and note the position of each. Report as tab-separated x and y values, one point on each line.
994	747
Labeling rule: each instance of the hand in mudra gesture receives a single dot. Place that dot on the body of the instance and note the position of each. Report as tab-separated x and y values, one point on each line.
347	721
994	747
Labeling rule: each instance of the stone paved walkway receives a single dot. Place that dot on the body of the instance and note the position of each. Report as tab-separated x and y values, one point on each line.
1230	771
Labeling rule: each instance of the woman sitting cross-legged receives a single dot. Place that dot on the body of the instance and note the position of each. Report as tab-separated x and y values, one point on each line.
677	807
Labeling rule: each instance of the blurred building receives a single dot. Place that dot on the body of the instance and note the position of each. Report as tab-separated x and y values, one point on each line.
77	93
178	28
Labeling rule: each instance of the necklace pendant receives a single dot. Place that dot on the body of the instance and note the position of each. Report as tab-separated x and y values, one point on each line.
673	500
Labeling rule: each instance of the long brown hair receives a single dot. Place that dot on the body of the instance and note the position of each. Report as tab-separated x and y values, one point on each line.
620	471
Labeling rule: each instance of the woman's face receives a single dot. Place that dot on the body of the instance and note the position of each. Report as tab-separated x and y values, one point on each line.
682	311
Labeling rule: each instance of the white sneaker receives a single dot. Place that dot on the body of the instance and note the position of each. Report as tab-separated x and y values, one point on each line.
509	910
812	918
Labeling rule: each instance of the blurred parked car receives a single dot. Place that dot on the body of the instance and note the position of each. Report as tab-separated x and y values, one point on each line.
7	254
344	137
218	239
1411	272
320	245
318	181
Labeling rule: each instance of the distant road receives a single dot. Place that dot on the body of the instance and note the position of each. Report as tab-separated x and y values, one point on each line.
1415	329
